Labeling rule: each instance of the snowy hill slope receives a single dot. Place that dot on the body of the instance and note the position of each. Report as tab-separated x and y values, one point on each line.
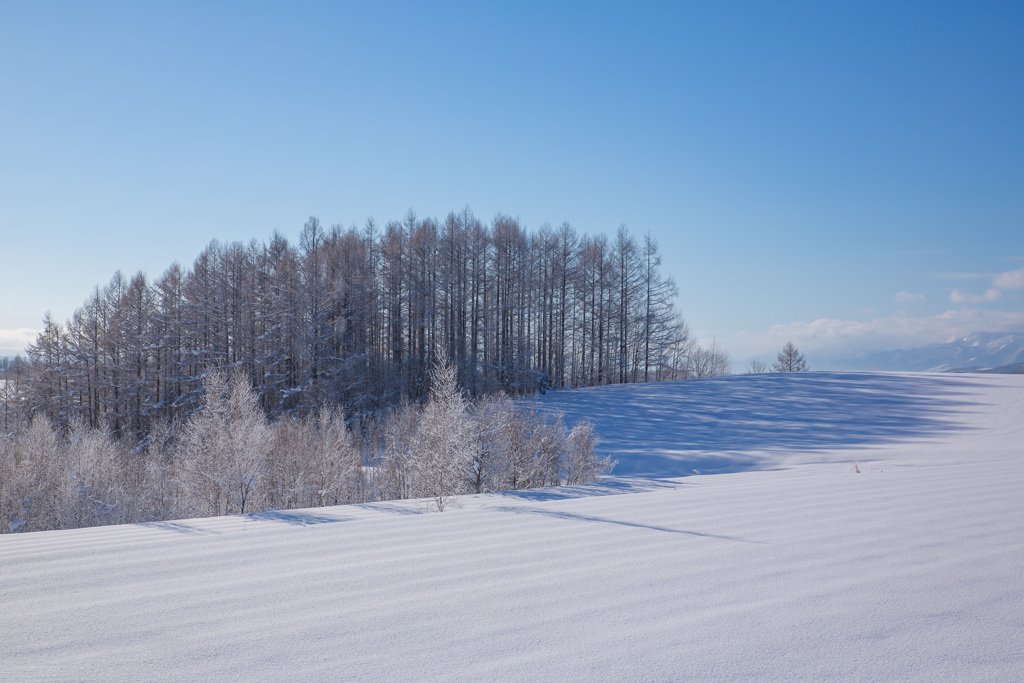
786	565
668	429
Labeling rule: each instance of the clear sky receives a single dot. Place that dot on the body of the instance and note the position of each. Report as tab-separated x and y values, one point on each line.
846	175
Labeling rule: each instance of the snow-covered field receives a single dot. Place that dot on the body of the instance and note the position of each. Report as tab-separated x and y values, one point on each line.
737	541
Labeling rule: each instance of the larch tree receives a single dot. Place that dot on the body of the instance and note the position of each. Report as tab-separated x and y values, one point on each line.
353	318
790	360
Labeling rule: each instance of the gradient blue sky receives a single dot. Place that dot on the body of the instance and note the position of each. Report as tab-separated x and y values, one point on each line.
848	175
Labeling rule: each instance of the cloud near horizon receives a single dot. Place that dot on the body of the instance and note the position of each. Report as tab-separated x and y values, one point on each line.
832	336
910	298
13	342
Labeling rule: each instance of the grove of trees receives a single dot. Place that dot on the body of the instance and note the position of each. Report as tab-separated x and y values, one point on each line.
355	317
360	364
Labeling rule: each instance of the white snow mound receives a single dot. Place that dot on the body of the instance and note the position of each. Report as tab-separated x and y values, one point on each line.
844	526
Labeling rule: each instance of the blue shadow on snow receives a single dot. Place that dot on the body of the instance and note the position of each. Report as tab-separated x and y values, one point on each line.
673	429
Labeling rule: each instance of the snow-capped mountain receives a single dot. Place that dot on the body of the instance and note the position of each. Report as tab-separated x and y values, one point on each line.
977	351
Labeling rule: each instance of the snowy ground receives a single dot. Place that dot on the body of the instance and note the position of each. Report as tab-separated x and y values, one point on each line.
777	562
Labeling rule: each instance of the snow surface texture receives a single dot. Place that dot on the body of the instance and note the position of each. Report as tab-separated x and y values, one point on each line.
787	564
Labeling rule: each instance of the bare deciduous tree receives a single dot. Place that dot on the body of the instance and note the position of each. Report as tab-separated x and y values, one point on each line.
353	317
709	361
790	360
757	367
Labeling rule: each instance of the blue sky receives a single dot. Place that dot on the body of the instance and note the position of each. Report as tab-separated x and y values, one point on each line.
848	175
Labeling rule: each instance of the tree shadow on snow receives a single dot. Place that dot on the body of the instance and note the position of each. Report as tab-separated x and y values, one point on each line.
178	527
399	509
673	429
297	517
608	486
604	520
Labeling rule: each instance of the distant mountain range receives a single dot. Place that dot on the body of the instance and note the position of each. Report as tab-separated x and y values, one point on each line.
977	352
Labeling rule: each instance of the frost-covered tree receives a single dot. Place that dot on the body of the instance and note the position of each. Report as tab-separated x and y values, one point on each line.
226	444
582	464
530	449
227	460
30	478
89	491
488	414
394	454
335	462
164	490
444	451
790	360
312	462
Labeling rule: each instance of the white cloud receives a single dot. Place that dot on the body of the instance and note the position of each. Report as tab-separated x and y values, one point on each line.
832	337
850	336
1003	282
1011	280
991	294
14	341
